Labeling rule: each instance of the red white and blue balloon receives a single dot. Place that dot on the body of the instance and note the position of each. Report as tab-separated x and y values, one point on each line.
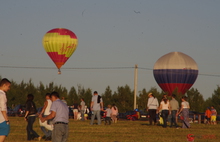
175	70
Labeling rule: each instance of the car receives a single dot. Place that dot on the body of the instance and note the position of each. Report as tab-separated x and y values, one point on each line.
10	112
132	115
121	115
19	110
143	114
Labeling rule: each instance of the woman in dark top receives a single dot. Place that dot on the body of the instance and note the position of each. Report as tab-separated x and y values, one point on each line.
30	116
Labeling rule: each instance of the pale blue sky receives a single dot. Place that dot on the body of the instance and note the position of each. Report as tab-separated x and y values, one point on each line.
111	33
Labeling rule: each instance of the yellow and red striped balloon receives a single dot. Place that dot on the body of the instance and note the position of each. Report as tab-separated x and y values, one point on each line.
60	44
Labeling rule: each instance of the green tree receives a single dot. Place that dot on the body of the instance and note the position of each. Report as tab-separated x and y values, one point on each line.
107	96
142	99
72	95
216	99
124	98
195	100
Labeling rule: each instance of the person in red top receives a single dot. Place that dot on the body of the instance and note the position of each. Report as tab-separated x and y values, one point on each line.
208	115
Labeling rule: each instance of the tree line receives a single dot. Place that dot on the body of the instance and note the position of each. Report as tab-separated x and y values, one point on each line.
123	97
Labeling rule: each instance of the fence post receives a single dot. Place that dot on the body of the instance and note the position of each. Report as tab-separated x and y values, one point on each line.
199	119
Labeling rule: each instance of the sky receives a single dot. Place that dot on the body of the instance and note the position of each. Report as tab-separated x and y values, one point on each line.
111	34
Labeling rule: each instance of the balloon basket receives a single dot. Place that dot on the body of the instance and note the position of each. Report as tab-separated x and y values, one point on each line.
59	72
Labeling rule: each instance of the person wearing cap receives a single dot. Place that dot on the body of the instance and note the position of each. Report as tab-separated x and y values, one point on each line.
152	106
96	106
60	115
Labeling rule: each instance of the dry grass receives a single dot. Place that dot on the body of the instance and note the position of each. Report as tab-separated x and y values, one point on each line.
123	131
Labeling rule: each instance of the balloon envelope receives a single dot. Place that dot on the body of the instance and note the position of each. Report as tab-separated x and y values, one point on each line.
60	44
175	70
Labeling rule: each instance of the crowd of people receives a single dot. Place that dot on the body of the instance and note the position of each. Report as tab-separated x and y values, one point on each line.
54	116
172	108
210	115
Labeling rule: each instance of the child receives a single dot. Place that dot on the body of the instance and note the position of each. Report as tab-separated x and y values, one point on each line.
108	112
213	115
114	113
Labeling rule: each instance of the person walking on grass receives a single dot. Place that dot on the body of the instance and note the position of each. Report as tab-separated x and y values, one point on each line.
213	115
207	115
82	109
86	113
108	112
60	115
185	112
30	117
75	110
4	121
96	106
63	100
165	107
114	113
152	106
45	112
174	105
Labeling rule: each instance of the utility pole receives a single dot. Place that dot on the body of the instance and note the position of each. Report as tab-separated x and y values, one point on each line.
135	85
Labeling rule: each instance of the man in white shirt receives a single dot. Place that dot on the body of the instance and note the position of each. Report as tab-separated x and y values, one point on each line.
4	122
96	106
45	112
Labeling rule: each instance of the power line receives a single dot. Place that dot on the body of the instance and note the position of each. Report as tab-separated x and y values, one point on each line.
81	68
94	68
214	75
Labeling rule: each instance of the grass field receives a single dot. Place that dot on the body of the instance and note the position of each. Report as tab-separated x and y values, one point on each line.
123	131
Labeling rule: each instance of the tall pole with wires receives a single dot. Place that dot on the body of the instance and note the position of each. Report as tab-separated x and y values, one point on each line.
135	85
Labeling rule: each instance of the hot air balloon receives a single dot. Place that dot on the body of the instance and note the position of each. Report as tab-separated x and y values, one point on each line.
60	44
175	70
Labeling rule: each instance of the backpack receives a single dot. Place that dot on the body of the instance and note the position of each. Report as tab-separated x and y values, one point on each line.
99	99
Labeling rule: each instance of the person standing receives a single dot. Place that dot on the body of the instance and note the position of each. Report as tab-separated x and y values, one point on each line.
213	115
86	113
82	109
30	116
75	110
63	99
152	106
45	112
207	115
185	112
108	112
4	121
96	106
114	113
174	105
60	115
165	107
